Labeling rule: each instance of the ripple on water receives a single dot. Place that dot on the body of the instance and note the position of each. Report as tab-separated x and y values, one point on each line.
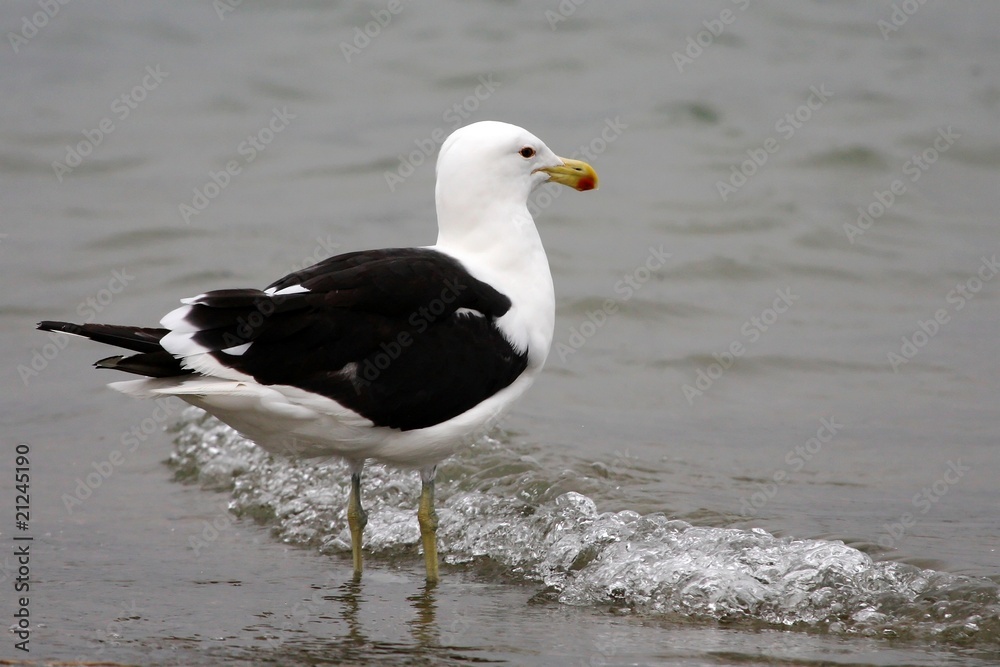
642	563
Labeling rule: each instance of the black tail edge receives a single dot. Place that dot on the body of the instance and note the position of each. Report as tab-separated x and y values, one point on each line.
152	360
148	364
137	339
64	327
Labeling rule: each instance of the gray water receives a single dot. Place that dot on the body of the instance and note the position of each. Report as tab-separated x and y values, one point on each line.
767	432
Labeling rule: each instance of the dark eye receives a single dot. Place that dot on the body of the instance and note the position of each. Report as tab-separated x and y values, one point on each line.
527	152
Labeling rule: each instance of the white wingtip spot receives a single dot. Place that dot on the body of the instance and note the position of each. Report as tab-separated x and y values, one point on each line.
291	289
237	350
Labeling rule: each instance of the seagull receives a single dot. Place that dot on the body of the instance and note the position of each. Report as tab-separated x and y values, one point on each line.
400	355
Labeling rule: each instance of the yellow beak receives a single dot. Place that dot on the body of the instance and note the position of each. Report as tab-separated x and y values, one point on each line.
575	173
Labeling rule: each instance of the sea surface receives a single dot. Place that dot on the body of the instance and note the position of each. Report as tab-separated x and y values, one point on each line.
768	431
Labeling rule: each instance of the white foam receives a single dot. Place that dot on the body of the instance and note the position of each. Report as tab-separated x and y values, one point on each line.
639	563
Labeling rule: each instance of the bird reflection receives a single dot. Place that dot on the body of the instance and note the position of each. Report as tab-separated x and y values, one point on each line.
353	621
424	627
350	599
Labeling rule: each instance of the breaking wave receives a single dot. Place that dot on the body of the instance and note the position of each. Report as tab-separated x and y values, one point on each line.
502	509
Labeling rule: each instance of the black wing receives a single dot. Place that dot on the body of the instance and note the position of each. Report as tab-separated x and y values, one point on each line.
377	331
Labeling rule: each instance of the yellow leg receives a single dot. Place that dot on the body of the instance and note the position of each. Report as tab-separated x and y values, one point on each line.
357	518
428	520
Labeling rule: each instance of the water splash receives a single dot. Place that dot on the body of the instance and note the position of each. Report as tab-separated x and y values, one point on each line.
507	511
